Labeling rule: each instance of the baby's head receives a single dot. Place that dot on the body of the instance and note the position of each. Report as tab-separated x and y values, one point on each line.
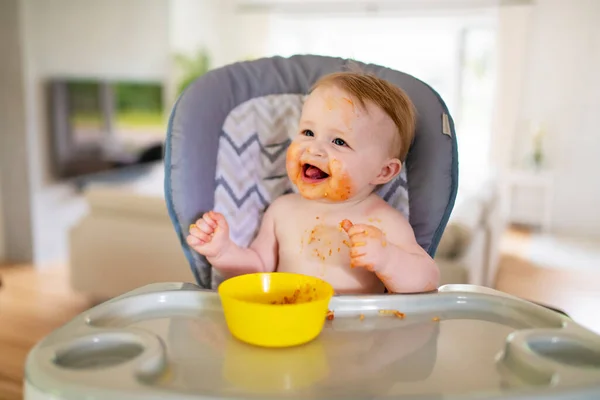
354	134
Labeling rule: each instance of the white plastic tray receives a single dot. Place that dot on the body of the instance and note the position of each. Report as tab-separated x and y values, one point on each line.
170	340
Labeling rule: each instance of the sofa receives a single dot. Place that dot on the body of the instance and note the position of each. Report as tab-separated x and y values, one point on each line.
127	240
469	249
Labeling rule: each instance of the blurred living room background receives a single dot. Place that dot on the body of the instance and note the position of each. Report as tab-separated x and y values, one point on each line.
86	88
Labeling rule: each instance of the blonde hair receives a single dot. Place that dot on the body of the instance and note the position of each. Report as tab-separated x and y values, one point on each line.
390	98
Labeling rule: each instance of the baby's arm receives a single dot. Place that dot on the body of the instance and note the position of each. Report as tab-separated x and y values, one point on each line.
210	237
393	254
408	268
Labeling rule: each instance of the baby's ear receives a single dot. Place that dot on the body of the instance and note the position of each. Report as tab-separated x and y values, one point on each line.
389	171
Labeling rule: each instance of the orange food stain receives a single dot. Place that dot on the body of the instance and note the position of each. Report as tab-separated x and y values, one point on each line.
289	300
338	187
435	319
346	243
395	313
311	238
338	249
383	243
292	163
382	278
362	316
330	315
329	252
330	103
358	244
346	225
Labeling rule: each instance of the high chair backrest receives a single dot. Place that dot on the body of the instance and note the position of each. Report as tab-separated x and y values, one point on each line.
229	131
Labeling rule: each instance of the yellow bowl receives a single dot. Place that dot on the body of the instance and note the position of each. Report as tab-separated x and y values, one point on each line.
276	309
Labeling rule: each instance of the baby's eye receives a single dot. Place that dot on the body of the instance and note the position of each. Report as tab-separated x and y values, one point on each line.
339	142
308	132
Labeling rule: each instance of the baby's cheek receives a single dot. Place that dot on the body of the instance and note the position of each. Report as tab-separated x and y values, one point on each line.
340	186
292	162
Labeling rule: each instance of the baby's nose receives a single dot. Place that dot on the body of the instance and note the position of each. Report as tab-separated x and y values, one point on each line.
316	149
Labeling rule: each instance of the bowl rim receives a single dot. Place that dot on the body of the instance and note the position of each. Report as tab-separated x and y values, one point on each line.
326	298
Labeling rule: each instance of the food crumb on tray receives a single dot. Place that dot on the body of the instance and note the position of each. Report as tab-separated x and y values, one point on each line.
330	315
393	312
435	319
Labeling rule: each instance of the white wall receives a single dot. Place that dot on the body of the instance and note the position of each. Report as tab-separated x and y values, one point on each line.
15	202
113	39
562	91
197	24
512	47
216	25
110	39
86	38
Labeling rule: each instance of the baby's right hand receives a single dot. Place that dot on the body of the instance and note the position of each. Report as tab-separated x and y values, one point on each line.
209	236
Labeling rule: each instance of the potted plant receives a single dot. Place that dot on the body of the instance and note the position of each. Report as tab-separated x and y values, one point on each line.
191	67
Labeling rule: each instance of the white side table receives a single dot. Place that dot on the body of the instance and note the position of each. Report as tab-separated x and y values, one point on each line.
529	195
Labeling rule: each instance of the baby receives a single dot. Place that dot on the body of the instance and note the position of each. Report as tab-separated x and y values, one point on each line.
354	133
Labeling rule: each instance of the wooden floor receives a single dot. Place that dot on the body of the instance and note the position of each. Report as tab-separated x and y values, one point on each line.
34	303
576	292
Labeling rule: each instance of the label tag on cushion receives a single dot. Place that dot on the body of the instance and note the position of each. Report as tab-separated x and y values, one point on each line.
446	125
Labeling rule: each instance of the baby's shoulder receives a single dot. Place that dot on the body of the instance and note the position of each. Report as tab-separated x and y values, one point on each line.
387	215
380	208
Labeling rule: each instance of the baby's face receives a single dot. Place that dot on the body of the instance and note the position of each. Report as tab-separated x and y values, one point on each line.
342	150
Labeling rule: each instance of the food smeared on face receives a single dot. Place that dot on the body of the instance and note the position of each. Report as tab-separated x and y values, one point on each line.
316	180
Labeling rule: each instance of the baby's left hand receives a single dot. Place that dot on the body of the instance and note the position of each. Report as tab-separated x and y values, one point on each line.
367	245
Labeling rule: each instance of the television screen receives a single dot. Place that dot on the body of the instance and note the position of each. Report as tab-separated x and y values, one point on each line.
102	125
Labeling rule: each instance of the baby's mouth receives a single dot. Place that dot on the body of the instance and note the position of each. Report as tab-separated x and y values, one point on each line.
313	174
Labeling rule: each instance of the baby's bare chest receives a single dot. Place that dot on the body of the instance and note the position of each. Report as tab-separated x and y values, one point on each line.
318	237
314	243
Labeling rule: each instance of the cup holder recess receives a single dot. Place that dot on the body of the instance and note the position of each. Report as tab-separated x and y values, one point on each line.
98	351
566	351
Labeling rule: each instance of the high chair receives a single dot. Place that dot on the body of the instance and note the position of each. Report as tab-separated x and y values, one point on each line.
229	131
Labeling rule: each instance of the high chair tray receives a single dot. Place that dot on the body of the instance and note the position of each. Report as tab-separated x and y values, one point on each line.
463	342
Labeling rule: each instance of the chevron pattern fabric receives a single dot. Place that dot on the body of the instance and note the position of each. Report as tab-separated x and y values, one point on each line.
251	171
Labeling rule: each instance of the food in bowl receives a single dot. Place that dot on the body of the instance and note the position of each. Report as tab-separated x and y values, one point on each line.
277	309
301	295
